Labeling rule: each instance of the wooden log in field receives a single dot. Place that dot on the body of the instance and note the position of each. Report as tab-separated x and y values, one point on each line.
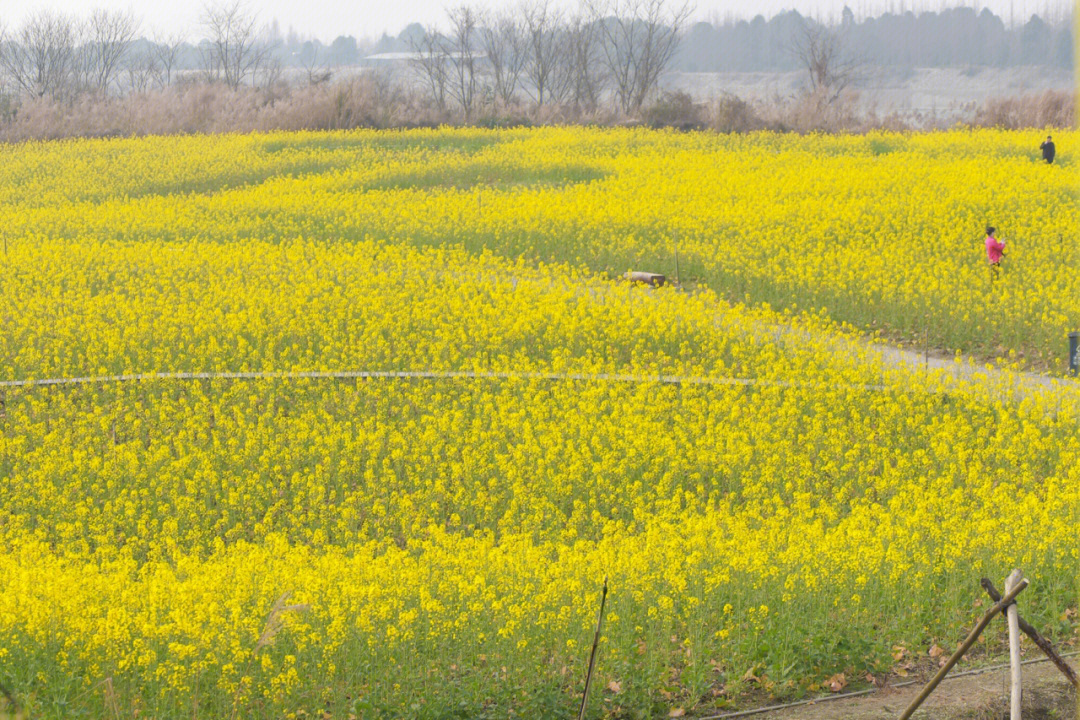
648	278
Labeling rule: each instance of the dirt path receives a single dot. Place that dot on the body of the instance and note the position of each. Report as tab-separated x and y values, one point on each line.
948	368
963	369
1047	694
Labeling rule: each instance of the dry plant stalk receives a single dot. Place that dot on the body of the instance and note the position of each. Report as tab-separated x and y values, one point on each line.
110	698
273	625
274	621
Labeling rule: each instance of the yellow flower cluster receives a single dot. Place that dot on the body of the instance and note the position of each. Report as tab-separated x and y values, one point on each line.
883	231
444	539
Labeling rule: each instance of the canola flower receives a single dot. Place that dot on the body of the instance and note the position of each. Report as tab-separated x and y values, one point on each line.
448	537
882	231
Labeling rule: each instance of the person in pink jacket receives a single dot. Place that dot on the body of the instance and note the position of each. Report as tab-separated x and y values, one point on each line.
995	251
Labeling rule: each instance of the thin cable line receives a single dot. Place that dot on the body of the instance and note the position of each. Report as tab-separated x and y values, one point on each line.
435	375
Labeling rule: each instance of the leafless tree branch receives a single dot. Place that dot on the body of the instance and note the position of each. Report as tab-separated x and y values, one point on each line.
40	57
464	69
430	60
542	22
822	51
585	67
108	36
503	39
638	40
166	51
235	53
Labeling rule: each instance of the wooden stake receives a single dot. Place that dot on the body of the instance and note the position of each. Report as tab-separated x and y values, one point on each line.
1014	646
592	654
964	647
926	344
1042	643
10	699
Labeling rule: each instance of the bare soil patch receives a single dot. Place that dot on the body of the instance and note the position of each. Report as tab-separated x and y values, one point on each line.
1047	694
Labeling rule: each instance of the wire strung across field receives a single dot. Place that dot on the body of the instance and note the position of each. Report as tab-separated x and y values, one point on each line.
435	375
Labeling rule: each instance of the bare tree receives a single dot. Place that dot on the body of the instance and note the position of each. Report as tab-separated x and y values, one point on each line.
141	69
235	52
544	50
108	36
639	39
317	74
463	60
585	69
822	51
430	61
166	50
40	57
503	39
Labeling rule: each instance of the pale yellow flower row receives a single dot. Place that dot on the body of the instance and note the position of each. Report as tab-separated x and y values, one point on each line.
447	538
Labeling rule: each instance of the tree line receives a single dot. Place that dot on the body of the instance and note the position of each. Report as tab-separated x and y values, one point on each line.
540	54
956	37
58	56
532	53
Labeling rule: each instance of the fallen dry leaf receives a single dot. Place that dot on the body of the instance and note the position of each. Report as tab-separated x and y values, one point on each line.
837	682
676	712
750	676
936	651
614	686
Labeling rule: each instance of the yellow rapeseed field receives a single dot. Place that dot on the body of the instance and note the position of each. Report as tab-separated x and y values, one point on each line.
770	504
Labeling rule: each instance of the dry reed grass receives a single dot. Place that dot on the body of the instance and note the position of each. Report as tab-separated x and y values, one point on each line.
275	621
372	100
1049	109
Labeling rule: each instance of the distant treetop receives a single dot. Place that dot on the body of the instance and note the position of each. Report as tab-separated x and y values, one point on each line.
958	37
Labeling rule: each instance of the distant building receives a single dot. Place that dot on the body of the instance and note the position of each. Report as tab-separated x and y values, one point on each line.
402	58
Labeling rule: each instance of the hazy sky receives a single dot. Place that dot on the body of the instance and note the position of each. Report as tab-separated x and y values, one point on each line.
326	19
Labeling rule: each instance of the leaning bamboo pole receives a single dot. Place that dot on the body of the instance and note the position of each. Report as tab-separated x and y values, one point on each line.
964	647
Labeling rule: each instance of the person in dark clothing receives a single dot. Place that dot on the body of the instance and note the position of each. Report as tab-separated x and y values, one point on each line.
1048	150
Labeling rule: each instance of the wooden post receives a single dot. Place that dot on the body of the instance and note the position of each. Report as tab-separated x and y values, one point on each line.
1014	646
964	647
10	700
592	654
1036	637
926	344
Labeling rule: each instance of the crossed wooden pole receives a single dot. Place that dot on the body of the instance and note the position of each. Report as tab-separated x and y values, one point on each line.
1014	585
